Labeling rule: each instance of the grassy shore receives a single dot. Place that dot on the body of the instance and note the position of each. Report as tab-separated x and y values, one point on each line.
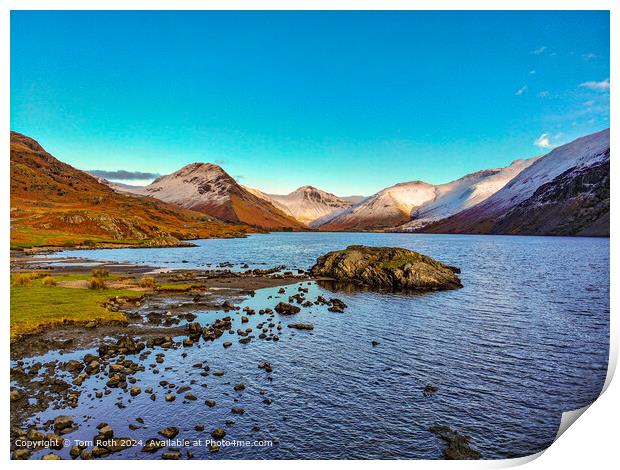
39	303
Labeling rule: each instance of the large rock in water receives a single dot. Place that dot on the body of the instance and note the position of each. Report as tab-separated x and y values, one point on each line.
387	268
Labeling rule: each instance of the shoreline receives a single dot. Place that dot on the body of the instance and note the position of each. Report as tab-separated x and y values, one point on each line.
208	290
34	250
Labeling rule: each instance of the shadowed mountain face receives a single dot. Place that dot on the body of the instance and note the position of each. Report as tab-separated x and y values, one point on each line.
53	203
573	203
566	192
207	188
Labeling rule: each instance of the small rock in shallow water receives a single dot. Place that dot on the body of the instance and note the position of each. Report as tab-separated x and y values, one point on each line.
21	454
169	432
153	445
286	309
458	445
62	422
106	432
301	326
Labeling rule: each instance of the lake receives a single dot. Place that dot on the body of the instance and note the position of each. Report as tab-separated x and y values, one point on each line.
525	339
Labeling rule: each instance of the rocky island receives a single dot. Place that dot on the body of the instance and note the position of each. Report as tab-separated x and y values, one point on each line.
387	268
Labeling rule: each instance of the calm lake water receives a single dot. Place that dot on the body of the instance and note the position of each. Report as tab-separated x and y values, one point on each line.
525	339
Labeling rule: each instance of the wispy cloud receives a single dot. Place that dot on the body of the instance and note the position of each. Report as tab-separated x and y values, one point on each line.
221	161
532	72
521	90
543	141
539	50
598	86
588	56
543	94
124	174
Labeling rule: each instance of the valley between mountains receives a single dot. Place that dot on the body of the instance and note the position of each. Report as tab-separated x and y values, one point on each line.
564	192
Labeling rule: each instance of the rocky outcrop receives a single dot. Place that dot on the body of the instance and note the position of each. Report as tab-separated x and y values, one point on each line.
387	268
458	445
574	203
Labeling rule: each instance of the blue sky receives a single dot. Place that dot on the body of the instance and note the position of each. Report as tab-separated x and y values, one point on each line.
350	102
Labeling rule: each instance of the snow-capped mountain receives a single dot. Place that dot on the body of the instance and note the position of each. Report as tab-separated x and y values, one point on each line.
456	196
387	208
564	192
308	204
207	188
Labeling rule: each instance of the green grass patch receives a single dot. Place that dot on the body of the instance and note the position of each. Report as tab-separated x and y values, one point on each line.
172	286
34	305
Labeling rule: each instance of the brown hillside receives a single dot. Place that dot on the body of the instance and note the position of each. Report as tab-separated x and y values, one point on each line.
54	204
207	188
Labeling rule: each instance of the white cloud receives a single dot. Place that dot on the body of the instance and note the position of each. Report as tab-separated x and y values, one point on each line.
598	86
588	56
543	141
532	72
543	94
521	90
540	50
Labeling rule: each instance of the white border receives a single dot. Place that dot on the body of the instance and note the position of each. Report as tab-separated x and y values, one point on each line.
592	443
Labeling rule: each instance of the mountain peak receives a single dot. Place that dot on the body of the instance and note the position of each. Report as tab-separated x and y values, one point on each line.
206	187
306	188
200	167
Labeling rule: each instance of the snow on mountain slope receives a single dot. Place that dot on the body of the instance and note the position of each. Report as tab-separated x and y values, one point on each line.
463	193
385	209
308	204
579	153
563	167
207	188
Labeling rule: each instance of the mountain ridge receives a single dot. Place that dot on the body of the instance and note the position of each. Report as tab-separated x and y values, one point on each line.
584	162
55	204
207	188
562	192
